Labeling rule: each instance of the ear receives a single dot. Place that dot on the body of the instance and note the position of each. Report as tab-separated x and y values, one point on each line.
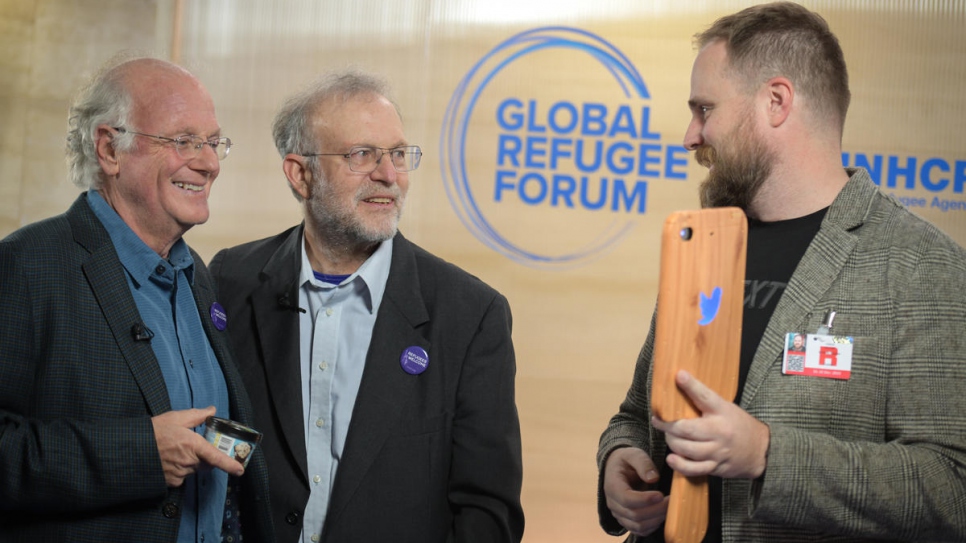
780	95
104	147
298	175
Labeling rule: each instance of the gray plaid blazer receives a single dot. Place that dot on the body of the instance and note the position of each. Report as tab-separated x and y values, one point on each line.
78	459
881	456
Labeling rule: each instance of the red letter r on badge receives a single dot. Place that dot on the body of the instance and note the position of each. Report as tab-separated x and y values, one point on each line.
828	356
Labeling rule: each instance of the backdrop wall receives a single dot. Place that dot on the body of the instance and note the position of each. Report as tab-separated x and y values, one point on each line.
551	135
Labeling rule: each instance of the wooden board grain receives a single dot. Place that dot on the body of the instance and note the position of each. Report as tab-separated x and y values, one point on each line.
698	329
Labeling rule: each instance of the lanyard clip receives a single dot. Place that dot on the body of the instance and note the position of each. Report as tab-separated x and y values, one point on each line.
826	326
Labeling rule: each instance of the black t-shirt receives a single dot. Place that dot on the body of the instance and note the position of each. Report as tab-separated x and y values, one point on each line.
774	251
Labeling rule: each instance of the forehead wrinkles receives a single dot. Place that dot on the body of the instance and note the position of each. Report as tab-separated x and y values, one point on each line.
361	119
173	102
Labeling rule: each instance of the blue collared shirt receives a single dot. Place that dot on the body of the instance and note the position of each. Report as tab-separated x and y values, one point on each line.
334	336
162	292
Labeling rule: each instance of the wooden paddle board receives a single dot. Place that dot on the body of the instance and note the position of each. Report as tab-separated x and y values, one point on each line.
698	329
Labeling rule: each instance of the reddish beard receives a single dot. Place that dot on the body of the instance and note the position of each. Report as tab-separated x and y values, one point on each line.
735	175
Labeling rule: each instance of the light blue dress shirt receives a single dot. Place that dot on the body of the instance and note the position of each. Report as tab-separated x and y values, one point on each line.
162	292
334	336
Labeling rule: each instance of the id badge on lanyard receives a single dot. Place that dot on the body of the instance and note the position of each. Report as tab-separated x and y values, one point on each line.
820	354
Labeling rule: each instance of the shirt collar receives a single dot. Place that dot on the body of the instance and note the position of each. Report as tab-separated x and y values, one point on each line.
140	261
373	273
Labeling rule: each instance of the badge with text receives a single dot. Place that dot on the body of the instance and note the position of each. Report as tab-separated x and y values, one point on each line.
817	355
218	316
414	360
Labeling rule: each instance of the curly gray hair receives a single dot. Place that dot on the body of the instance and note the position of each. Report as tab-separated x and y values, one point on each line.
291	128
104	100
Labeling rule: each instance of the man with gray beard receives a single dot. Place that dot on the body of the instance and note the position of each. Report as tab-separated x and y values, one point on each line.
873	450
381	376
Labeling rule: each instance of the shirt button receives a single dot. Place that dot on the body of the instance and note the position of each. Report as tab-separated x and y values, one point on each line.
316	479
319	423
323	366
329	312
315	538
159	270
191	362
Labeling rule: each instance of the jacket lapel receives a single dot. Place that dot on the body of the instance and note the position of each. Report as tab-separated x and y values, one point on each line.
820	265
277	326
204	295
385	389
106	277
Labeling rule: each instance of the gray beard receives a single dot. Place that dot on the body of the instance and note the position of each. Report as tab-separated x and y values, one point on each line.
340	229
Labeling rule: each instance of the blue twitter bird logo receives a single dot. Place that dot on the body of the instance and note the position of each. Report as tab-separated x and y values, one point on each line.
709	306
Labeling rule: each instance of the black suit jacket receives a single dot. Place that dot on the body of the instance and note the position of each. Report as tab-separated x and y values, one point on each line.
78	458
428	458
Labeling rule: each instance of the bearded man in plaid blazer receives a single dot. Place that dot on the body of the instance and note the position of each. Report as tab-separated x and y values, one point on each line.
878	455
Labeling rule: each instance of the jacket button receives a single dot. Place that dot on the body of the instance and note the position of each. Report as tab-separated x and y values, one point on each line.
169	510
292	518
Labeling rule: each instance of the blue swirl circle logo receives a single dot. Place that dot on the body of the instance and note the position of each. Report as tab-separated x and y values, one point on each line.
622	157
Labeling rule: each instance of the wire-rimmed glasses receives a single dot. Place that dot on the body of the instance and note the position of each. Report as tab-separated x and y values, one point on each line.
365	159
189	146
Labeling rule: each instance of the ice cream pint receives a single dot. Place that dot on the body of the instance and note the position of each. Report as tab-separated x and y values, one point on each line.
231	438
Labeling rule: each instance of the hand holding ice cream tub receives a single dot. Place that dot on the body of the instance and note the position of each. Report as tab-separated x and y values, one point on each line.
231	438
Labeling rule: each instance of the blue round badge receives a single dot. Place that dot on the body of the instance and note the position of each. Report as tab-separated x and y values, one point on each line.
414	360
218	316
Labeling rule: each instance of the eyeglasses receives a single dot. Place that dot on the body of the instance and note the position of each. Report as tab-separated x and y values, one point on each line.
366	159
189	146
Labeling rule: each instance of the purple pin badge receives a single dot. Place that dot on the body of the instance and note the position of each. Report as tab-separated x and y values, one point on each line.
414	360
218	316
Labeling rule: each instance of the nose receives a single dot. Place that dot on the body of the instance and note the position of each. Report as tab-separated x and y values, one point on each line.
206	161
692	137
385	172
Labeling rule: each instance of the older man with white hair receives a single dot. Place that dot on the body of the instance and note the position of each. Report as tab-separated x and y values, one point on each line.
112	346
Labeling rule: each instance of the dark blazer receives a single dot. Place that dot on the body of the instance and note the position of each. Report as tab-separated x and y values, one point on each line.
428	458
78	458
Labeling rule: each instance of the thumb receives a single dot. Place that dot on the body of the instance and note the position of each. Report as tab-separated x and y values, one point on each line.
195	417
641	463
703	397
646	470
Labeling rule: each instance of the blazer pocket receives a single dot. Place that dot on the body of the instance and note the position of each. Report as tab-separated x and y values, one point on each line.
416	456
